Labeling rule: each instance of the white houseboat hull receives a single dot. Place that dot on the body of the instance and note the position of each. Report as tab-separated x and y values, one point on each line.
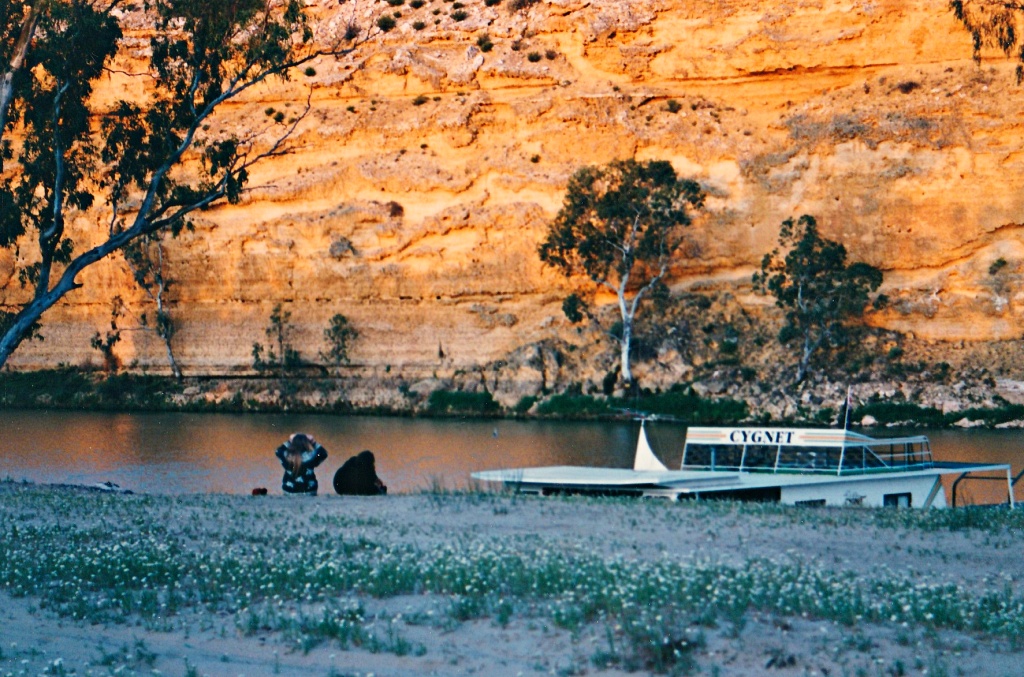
913	481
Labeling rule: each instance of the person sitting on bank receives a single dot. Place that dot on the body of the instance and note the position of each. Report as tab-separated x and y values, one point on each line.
299	456
358	477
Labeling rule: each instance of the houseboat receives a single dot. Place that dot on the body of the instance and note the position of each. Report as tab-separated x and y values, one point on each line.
796	466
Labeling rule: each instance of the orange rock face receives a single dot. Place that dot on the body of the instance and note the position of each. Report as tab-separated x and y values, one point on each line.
420	182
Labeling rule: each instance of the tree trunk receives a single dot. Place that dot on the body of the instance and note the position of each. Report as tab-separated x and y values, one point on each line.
19	329
627	339
805	359
28	28
627	312
164	327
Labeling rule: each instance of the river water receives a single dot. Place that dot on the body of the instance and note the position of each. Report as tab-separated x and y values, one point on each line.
176	453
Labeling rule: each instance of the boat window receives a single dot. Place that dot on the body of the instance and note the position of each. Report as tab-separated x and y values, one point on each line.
760	457
713	456
862	458
809	459
896	500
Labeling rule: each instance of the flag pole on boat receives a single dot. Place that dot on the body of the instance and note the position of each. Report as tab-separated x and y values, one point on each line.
846	426
849	404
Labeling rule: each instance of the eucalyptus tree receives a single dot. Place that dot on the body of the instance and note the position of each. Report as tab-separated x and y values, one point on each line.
620	227
154	161
147	259
994	23
816	288
339	336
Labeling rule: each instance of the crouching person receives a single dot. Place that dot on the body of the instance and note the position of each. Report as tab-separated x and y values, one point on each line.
299	456
358	477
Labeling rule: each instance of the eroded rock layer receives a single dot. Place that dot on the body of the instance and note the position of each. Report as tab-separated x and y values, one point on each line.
421	180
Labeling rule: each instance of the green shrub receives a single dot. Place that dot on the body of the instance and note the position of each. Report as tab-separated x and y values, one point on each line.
533	57
692	408
57	387
991	417
133	391
459	15
571	406
524	404
460	402
898	412
386	23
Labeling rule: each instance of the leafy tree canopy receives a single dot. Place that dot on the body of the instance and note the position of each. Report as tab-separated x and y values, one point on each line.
994	23
620	226
815	286
154	160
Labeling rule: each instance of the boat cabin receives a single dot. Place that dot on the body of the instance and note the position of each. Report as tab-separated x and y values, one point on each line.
801	450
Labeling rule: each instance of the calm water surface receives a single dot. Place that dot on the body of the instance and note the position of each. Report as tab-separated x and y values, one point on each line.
202	453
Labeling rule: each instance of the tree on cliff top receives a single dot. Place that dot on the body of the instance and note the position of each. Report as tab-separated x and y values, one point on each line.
817	289
994	23
155	161
620	226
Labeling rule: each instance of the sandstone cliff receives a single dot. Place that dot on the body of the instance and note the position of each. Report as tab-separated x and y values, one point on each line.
420	183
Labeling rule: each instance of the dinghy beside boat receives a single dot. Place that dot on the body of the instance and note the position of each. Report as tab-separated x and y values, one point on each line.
796	466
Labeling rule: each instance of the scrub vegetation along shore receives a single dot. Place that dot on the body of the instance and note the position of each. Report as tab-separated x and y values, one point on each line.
463	582
875	404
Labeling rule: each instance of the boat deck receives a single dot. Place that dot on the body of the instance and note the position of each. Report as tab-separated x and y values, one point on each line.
561	478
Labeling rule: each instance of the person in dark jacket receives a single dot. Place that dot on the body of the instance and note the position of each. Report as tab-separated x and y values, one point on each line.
358	477
299	456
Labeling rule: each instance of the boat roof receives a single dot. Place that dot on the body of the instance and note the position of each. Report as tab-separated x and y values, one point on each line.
796	437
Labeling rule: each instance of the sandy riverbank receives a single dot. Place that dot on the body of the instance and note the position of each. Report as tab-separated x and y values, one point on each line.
94	583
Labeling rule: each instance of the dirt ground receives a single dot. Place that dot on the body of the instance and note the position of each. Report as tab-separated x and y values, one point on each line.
34	641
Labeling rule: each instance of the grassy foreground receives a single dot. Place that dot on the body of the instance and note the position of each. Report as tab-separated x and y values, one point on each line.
624	585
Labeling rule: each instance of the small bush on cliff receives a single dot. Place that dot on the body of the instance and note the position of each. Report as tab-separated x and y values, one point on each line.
280	355
518	5
339	337
446	402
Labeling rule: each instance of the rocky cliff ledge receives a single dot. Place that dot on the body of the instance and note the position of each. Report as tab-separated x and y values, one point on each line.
422	179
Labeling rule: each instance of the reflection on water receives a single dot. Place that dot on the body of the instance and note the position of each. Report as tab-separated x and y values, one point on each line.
185	453
199	453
